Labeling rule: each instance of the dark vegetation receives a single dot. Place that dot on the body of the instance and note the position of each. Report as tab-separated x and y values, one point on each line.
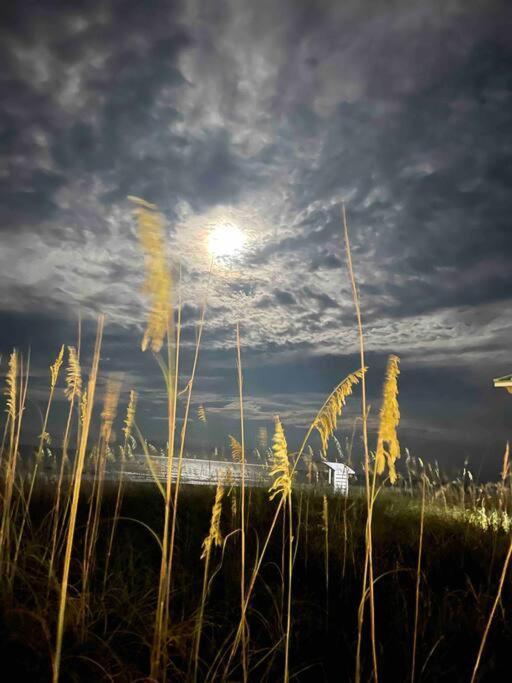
461	567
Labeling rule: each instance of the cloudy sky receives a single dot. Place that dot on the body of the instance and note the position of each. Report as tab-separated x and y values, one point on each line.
269	115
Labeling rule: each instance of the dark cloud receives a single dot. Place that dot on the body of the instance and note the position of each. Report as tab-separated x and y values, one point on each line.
284	298
320	298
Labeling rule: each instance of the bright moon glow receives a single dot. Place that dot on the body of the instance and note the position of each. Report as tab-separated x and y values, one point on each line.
226	240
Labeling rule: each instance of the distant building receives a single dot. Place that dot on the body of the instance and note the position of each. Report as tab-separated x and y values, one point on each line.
207	472
338	476
504	382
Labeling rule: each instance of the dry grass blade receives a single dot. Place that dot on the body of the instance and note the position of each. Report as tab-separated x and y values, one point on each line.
364	417
245	634
496	602
505	471
325	522
418	578
127	430
214	538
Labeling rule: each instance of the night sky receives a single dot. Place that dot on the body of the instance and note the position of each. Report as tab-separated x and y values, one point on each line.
269	115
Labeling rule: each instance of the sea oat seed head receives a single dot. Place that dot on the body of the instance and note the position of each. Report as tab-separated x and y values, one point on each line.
55	368
236	449
281	468
214	537
327	419
130	414
73	375
158	282
109	412
388	447
11	389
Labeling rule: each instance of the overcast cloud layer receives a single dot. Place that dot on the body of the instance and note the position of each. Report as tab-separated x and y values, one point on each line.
270	114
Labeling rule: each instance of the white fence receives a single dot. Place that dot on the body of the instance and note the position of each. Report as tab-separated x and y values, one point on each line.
195	471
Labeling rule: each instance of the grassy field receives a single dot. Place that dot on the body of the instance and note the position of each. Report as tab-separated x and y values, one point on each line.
112	639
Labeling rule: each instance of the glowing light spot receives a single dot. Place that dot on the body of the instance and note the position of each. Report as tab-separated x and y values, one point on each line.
226	240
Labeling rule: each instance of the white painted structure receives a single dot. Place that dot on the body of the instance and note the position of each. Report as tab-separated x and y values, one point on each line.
338	476
195	471
207	472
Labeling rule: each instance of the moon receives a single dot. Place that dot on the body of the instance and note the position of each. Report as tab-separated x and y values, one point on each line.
226	240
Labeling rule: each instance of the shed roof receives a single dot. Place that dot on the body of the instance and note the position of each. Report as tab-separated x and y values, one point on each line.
339	466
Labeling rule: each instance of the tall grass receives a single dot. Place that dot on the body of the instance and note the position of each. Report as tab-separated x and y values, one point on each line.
282	473
72	392
127	430
214	538
158	286
242	501
418	583
91	389
368	578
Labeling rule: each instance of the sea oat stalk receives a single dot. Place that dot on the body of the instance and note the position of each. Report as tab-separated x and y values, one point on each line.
72	391
418	579
325	521
16	391
127	430
364	417
214	538
43	438
281	471
108	416
74	503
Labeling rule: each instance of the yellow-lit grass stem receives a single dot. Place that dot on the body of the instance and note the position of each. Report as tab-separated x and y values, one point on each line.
74	503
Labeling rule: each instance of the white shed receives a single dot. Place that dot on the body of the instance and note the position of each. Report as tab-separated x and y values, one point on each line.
338	476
